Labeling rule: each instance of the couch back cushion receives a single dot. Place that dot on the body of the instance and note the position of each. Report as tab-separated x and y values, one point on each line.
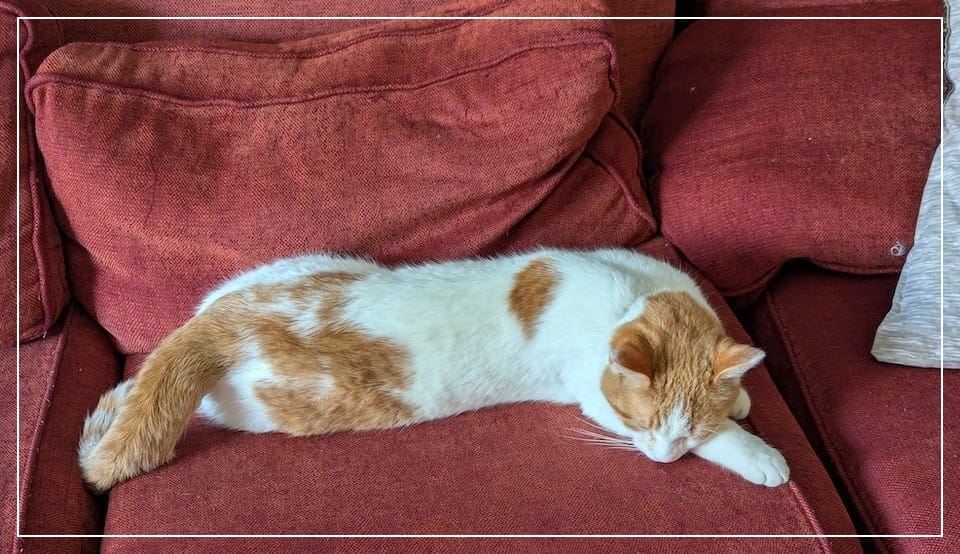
819	8
639	42
174	165
769	141
43	290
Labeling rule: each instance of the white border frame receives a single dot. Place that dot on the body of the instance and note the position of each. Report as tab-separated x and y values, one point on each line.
377	18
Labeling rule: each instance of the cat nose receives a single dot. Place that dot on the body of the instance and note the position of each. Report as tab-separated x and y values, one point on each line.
671	453
666	457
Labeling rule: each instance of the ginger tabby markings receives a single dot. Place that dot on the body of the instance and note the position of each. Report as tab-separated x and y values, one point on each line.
320	344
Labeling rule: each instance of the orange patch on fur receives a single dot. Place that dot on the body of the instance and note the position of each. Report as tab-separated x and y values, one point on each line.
335	378
532	291
674	343
146	424
339	379
137	425
630	399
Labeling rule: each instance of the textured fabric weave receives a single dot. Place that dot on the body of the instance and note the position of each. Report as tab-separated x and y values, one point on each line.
177	164
879	423
821	8
910	334
776	140
465	545
640	42
43	287
61	379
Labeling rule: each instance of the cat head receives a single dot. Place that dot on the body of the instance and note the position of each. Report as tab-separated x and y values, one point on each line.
674	375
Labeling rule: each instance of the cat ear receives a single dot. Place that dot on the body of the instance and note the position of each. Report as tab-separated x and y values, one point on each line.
632	358
733	360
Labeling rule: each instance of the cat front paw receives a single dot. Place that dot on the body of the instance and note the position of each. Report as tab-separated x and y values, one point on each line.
741	406
765	466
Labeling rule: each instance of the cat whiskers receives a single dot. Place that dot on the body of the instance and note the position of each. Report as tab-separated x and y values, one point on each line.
591	424
607	441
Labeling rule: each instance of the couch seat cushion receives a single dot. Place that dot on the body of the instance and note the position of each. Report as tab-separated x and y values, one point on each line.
508	469
176	164
61	378
776	140
878	424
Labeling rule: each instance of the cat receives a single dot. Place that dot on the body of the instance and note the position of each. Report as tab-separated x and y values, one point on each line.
323	343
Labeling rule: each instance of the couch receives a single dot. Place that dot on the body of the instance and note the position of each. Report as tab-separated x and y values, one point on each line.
780	162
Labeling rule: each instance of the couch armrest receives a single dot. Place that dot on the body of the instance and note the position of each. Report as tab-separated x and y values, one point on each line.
61	379
42	275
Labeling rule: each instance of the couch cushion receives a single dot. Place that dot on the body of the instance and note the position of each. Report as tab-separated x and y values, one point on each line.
43	290
777	140
879	424
552	545
822	8
177	164
61	379
639	42
512	468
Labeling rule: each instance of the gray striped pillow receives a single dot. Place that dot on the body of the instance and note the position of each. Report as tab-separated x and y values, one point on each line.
910	333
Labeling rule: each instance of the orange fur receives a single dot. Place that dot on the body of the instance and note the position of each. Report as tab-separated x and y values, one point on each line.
150	419
675	350
362	375
143	421
531	293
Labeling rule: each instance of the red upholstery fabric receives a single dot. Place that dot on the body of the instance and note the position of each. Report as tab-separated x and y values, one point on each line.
640	43
43	286
61	379
461	545
775	140
825	8
210	158
879	423
507	469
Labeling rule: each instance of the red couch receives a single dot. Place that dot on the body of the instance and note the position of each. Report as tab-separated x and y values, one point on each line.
777	161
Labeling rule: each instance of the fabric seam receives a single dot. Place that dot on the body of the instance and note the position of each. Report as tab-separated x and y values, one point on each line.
800	500
45	319
814	411
41	80
625	191
308	53
638	150
808	512
27	477
758	284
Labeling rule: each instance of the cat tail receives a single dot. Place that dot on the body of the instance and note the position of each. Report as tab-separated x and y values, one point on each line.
137	424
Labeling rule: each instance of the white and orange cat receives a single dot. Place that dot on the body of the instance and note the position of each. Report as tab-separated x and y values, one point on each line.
320	344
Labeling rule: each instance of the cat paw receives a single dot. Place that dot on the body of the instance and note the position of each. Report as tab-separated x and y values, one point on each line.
741	406
765	466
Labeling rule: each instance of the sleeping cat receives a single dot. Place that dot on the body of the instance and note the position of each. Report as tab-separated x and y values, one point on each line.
320	344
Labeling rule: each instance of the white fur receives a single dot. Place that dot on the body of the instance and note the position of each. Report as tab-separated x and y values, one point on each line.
232	403
746	455
467	350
